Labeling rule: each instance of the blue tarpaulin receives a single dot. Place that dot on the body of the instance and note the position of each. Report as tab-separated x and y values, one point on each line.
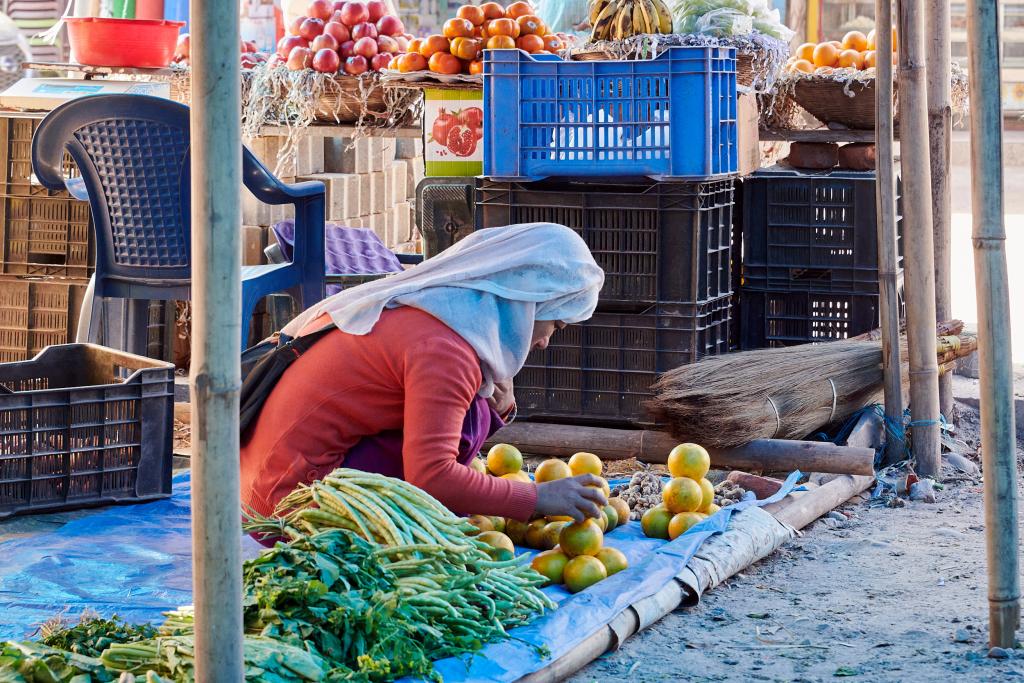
136	561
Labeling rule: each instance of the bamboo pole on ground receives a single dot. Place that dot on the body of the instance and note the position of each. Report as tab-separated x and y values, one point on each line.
940	127
216	288
989	236
919	251
885	200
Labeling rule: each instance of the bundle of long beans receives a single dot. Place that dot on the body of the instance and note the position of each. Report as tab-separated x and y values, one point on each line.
785	393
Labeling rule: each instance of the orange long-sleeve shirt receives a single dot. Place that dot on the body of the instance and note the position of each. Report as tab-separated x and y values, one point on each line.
411	373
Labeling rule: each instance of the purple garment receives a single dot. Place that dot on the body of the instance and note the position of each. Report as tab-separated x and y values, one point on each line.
382	453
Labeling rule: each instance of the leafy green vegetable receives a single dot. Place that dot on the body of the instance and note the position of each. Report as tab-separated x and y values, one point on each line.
91	637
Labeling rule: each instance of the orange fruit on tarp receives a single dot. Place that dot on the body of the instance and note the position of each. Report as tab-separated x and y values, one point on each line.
535	533
581	538
611	516
498	523
689	460
802	65
481	522
680	523
431	45
502	27
682	494
712	509
501	544
476	463
655	522
516	530
708	499
826	54
551	534
518	9
550	470
520	475
585	463
457	28
504	458
472	14
805	51
529	24
621	509
850	59
583	572
855	40
550	564
602	522
614	560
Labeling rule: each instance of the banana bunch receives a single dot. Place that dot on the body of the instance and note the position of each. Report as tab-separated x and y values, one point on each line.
620	19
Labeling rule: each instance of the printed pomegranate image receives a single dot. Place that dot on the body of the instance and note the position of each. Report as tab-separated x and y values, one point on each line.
462	140
459	131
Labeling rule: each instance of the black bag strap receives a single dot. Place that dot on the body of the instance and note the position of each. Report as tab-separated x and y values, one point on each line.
267	371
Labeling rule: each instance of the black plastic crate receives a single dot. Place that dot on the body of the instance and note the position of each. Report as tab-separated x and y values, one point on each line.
657	242
84	425
773	318
602	370
811	232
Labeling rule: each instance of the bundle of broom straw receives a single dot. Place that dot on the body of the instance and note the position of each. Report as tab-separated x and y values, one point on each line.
784	393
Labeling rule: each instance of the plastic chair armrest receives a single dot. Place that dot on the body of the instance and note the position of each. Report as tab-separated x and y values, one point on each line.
410	259
76	187
269	190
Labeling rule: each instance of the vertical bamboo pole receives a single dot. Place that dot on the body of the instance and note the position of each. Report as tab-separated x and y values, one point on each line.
885	200
989	236
940	127
919	252
216	375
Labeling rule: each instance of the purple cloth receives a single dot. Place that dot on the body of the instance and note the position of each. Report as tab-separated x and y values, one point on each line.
383	453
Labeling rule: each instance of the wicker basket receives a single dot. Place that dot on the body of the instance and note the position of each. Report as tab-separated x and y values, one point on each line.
352	99
827	99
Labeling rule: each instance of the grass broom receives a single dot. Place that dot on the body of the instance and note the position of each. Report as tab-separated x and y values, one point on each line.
784	393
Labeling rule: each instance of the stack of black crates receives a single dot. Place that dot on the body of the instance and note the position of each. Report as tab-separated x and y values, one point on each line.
810	257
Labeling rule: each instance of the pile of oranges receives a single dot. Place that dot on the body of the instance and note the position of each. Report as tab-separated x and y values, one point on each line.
687	500
854	51
474	29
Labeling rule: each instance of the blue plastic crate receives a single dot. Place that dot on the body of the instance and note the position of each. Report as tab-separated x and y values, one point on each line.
669	118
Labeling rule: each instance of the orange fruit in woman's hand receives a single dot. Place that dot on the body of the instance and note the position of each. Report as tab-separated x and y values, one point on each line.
855	40
492	10
476	67
466	48
529	24
412	61
444	63
826	54
458	28
553	43
501	43
518	9
530	43
503	27
472	14
434	44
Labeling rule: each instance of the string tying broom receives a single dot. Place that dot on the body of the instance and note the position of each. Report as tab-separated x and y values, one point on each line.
784	393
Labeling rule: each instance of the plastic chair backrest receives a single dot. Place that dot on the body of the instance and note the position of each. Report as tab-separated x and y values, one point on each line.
133	152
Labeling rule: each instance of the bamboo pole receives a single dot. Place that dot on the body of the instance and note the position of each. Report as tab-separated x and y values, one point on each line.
940	127
989	236
215	380
885	200
919	251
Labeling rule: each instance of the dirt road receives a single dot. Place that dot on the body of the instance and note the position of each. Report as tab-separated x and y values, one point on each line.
887	595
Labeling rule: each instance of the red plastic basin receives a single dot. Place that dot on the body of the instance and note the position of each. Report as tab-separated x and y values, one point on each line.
139	43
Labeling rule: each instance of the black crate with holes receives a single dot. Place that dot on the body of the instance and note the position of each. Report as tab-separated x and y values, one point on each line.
810	232
656	242
602	370
84	425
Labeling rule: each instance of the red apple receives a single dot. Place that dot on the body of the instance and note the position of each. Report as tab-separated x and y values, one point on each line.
367	47
183	47
294	27
300	58
311	28
326	61
377	9
354	13
337	5
365	30
319	9
356	65
381	60
338	31
387	44
289	43
390	26
323	42
403	43
345	49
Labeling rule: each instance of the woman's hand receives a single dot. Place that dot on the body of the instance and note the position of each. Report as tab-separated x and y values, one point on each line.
503	399
576	497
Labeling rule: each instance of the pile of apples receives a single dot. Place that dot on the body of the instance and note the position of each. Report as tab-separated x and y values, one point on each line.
354	37
248	54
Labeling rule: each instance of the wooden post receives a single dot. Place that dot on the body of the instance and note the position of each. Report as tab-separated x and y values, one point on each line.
919	251
216	374
885	201
940	127
989	236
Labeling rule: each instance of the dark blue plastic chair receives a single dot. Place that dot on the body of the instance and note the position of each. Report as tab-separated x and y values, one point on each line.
133	152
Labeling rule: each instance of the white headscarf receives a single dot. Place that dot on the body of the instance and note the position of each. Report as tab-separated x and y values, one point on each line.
489	288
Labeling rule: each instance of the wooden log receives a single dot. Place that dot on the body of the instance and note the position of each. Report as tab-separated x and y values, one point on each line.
812	505
650	446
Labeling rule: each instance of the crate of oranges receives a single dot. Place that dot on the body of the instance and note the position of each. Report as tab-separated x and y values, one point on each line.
458	49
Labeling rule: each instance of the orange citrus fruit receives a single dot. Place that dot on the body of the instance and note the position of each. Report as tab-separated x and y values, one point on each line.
689	460
621	509
826	54
603	485
805	51
501	544
581	538
550	470
534	535
614	560
682	494
431	45
558	518
803	65
518	476
481	522
504	459
585	463
655	522
708	498
550	564
550	535
868	59
611	516
678	525
855	40
516	530
712	509
583	572
476	463
850	59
